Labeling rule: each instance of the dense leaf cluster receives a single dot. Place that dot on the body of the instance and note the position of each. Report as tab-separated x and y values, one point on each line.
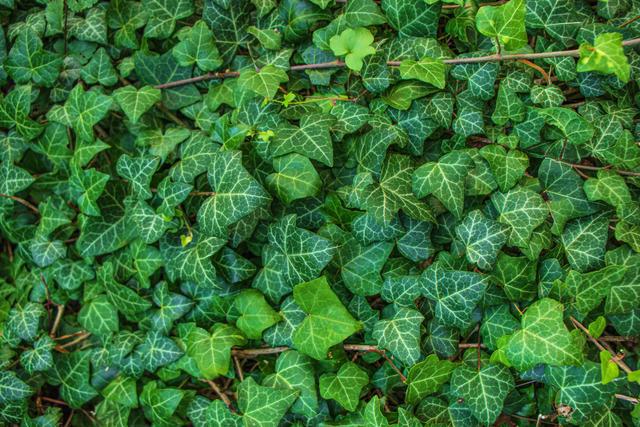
319	212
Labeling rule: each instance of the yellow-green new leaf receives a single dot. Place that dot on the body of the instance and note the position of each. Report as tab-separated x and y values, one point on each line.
606	56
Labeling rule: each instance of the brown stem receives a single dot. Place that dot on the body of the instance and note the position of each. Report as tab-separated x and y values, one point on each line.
22	202
618	362
52	400
374	349
607	338
253	352
220	394
56	321
450	61
537	68
78	340
630	21
597	168
238	368
633	400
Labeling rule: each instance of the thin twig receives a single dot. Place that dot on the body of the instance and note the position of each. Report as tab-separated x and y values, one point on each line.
22	202
597	168
56	321
607	338
497	57
630	21
78	340
374	349
220	394
253	352
52	400
633	400
238	368
597	343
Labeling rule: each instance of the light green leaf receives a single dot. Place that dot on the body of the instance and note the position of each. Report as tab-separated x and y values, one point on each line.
294	178
428	70
543	338
212	351
327	323
265	82
344	386
427	377
606	56
505	22
135	102
354	45
256	314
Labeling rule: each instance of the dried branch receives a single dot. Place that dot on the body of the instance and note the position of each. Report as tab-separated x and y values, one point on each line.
597	343
497	57
22	202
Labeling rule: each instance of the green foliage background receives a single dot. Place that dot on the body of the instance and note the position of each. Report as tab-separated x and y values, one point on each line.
312	212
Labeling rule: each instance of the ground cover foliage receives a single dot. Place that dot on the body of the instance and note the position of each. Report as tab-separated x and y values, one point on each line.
319	212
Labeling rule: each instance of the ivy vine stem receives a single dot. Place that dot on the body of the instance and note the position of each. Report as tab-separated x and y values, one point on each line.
496	57
597	168
597	343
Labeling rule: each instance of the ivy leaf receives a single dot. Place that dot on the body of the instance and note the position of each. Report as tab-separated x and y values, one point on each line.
14	112
294	255
163	15
71	372
99	317
23	320
606	56
608	187
354	44
82	111
263	406
12	388
344	386
327	323
294	178
295	371
236	194
159	404
543	338
256	314
312	139
564	188
455	293
197	47
427	377
40	358
482	238
523	210
428	70
580	388
445	180
212	350
99	70
401	335
135	102
584	241
505	22
191	262
483	391
265	82
28	61
575	128
507	166
139	172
